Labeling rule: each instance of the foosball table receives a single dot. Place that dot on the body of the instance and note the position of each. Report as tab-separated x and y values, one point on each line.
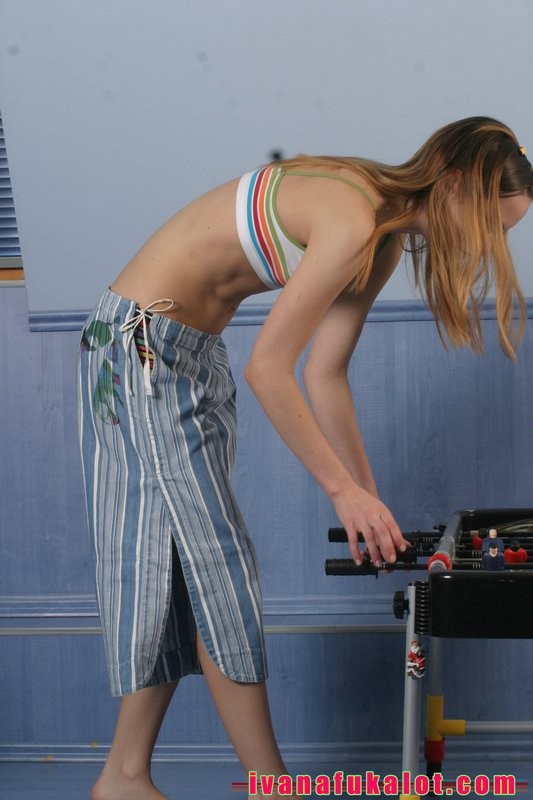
480	559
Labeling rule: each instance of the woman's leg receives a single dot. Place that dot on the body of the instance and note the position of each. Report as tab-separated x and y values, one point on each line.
245	714
126	774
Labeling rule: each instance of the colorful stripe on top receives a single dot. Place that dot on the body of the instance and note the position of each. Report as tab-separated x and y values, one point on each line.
272	252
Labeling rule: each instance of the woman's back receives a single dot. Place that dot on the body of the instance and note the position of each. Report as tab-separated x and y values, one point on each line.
197	258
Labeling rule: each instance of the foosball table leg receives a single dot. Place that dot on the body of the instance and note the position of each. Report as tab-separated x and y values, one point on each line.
436	726
412	698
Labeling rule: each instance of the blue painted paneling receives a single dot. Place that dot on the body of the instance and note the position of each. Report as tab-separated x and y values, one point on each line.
54	690
443	431
325	689
44	541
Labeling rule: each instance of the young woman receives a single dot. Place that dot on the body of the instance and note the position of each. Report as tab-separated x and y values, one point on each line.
176	573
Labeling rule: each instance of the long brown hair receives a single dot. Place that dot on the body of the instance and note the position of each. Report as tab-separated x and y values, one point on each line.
461	258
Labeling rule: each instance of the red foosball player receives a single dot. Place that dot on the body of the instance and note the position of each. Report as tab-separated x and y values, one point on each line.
514	554
477	539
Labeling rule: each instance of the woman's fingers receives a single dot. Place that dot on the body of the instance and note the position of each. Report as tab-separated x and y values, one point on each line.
388	536
383	539
361	512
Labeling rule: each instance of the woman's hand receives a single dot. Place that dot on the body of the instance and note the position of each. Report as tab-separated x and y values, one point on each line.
361	512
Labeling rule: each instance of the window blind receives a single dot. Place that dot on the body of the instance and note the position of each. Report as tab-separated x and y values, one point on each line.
9	239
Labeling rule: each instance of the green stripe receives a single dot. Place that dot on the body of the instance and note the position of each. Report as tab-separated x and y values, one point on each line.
281	226
271	214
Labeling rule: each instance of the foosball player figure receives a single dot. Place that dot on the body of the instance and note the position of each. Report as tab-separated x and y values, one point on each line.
515	554
491	540
493	559
477	539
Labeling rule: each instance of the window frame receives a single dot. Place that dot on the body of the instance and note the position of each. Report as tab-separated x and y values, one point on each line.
10	265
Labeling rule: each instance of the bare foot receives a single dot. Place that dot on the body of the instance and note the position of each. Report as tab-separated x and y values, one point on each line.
122	788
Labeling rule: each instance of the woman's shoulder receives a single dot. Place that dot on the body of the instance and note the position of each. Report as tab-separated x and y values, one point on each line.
338	174
328	203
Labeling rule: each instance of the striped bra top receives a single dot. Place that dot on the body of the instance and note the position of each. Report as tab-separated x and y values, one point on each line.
271	250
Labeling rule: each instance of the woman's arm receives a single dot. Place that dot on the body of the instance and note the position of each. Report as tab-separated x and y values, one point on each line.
325	373
332	258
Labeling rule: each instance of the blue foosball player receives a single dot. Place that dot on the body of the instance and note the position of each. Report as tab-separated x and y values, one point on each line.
493	559
491	540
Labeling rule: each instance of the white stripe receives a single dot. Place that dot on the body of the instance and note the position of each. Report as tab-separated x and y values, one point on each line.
114	584
134	631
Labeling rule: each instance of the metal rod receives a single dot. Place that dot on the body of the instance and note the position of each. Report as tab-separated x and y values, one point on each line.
435	683
81	631
444	555
499	727
411	697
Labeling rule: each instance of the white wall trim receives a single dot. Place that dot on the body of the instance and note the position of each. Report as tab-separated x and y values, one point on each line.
358	755
61	615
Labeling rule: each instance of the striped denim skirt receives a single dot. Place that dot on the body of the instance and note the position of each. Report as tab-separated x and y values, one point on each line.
173	555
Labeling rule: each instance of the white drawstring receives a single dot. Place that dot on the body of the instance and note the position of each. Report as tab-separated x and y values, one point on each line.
131	325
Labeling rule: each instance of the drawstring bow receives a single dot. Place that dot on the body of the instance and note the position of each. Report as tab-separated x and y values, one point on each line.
142	317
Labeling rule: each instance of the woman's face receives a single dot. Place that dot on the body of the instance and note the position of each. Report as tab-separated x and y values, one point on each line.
512	209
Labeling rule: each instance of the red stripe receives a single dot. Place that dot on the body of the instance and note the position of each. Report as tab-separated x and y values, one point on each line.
256	207
274	260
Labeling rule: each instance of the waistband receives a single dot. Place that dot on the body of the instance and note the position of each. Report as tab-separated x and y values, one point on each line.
129	316
122	311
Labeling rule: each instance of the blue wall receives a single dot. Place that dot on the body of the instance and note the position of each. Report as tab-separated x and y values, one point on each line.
444	431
